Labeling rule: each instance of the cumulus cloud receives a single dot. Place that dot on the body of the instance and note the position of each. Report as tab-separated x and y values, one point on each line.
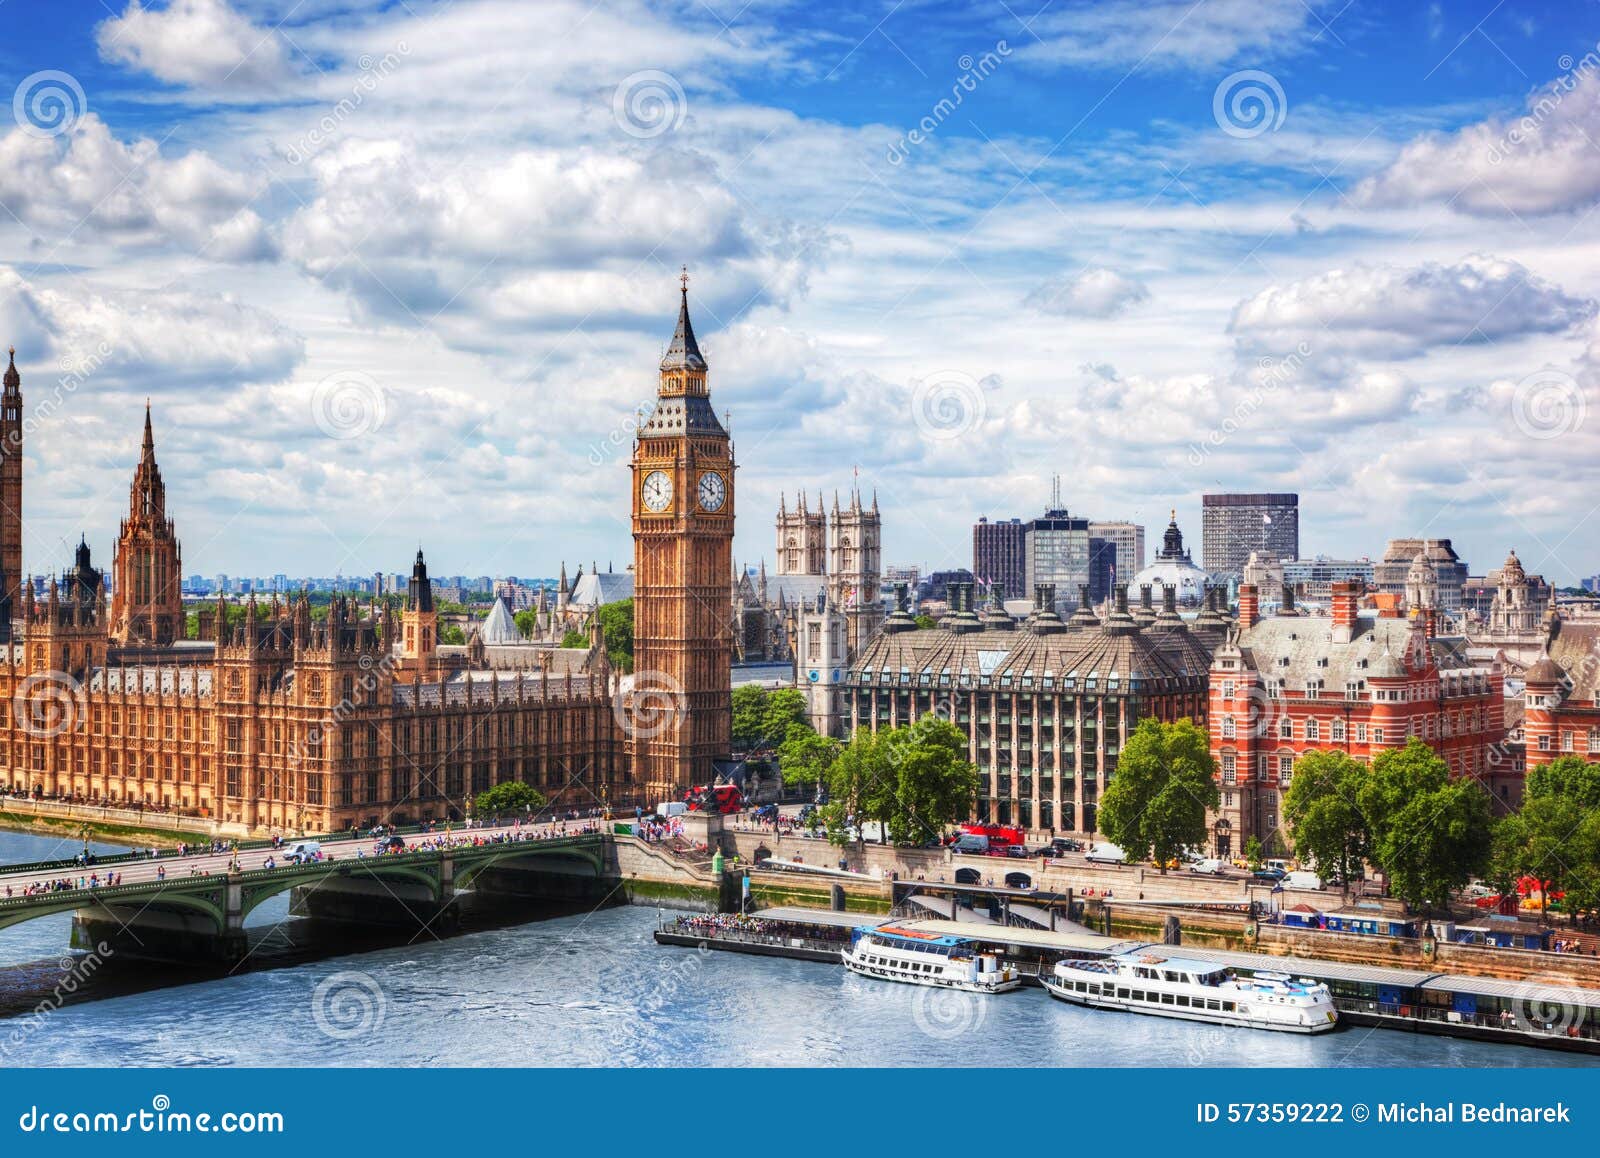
1544	161
1401	312
87	183
1094	293
197	43
541	239
142	339
1170	33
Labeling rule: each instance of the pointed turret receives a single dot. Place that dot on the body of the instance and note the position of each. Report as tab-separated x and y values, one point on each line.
13	379
684	352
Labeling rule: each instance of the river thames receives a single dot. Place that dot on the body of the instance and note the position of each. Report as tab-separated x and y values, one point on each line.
593	989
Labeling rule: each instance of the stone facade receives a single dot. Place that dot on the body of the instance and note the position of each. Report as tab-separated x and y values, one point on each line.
275	718
1290	684
1045	704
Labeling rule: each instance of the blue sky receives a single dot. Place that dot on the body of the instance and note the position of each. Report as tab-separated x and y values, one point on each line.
392	271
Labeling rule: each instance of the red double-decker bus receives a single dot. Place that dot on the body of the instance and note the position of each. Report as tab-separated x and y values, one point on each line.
999	835
724	798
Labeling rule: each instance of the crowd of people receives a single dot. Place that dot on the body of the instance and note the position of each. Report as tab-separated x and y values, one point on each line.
66	884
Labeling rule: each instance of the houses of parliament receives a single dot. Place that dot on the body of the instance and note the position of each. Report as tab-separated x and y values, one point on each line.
277	719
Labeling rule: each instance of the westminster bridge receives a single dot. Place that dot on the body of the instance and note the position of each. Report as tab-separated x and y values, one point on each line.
193	906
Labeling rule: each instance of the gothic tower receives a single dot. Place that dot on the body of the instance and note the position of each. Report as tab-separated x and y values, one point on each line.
419	623
11	486
802	538
146	592
677	713
855	566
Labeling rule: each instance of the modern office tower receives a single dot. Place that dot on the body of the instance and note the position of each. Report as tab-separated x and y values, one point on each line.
1232	526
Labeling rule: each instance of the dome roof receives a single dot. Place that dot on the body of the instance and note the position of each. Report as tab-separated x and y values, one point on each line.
1546	671
1512	571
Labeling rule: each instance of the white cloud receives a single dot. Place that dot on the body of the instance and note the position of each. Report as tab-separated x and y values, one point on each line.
540	239
145	340
1545	161
1093	293
198	43
87	184
1119	34
1401	312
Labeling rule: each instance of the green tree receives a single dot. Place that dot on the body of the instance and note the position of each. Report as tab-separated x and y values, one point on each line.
762	719
616	625
575	639
1571	777
1254	856
912	781
527	621
926	623
1165	781
805	757
749	715
509	799
452	633
1323	813
935	783
1429	835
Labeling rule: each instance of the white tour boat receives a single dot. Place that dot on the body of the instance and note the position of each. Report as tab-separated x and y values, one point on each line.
895	953
1195	991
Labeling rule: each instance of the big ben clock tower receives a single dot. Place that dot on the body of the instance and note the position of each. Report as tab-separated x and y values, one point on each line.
678	714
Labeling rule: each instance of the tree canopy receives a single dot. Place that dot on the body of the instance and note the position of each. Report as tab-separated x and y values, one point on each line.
1323	812
1429	834
616	625
509	798
762	718
1156	803
913	781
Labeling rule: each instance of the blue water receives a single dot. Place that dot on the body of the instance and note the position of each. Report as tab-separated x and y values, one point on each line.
594	989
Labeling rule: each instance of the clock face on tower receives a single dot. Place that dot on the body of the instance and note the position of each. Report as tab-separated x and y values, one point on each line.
713	492
657	490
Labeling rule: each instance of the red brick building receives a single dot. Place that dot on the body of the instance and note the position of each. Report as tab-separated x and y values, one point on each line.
1292	684
1561	714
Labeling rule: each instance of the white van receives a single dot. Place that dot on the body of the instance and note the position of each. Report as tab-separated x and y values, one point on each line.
1209	866
303	852
1106	854
667	809
1302	880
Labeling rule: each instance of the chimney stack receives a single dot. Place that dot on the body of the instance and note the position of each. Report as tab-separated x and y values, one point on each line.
1249	608
1346	594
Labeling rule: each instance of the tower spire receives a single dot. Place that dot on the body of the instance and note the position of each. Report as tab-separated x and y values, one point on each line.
684	352
148	453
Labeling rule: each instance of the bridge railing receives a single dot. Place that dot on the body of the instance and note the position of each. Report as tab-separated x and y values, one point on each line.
334	864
